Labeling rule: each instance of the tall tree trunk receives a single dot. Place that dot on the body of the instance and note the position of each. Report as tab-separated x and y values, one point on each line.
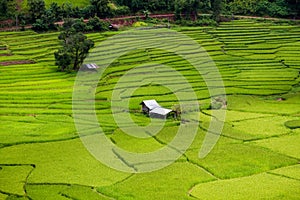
75	67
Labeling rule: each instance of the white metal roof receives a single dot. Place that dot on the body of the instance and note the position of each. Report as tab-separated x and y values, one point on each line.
91	66
151	104
160	111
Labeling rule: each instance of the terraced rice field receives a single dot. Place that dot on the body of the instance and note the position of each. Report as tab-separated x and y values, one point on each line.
257	155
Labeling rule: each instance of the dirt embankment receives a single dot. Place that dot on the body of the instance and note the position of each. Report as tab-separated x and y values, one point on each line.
16	62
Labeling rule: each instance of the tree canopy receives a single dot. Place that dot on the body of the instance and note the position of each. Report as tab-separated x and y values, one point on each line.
36	9
75	47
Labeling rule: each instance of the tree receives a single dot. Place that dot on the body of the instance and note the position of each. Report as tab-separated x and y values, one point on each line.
8	9
146	13
98	25
36	9
101	8
63	59
79	25
75	48
3	7
122	10
294	6
216	6
186	8
137	5
278	8
46	22
56	10
178	9
67	10
195	4
88	11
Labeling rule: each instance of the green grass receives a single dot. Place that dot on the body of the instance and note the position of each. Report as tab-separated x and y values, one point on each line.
49	192
61	162
252	187
32	129
263	127
261	105
285	145
237	160
172	182
132	144
13	178
81	192
62	192
291	171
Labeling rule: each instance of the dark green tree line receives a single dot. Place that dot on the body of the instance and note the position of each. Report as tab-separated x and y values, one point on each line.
36	9
272	8
43	18
8	9
216	6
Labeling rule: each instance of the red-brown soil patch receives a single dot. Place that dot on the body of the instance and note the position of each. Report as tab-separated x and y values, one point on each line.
16	62
6	54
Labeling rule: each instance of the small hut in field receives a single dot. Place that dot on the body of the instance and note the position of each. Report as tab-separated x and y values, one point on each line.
154	110
89	67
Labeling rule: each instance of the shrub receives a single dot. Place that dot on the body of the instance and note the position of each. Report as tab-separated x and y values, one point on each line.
79	25
278	8
39	25
98	25
139	24
87	11
122	10
152	20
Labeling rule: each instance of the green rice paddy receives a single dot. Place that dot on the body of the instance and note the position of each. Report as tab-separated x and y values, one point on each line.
256	157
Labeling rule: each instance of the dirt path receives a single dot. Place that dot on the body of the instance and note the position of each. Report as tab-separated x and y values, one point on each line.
17	62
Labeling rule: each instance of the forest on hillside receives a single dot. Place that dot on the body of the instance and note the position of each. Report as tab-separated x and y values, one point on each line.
23	12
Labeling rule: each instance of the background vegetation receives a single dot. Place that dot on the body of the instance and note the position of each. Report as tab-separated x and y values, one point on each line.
29	11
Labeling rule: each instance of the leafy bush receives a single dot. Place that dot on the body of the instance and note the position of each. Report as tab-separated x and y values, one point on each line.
122	10
39	25
139	24
87	11
79	25
153	20
75	45
98	25
278	8
45	23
